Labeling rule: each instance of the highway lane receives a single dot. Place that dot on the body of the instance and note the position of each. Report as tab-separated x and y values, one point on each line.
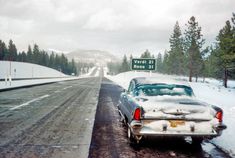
53	120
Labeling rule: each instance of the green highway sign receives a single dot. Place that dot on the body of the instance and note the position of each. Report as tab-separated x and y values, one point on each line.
143	64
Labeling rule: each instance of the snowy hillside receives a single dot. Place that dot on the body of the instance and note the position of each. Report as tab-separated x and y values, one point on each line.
211	92
26	70
40	75
20	74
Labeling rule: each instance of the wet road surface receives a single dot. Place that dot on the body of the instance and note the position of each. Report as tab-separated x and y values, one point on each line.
109	138
52	120
56	120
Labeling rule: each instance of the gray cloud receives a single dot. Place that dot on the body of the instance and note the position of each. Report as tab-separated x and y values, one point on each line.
123	26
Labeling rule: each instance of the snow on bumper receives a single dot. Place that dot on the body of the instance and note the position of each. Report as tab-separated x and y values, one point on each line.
177	128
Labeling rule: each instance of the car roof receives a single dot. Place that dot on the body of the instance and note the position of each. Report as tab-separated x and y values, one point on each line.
163	80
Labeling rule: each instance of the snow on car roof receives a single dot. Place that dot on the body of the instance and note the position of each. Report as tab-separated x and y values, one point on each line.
153	80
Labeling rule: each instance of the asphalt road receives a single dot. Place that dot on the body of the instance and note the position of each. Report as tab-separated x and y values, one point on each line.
53	120
109	138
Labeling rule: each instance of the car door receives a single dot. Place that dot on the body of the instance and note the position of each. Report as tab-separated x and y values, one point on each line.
129	100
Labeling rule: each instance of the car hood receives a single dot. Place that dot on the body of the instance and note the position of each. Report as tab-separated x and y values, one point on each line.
175	107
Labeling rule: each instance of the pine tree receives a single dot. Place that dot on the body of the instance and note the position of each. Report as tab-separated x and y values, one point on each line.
3	51
165	63
57	62
232	69
24	57
233	29
125	66
73	67
12	51
114	68
146	54
63	62
193	43
36	54
44	58
52	60
176	53
130	61
29	55
159	63
41	57
226	49
19	56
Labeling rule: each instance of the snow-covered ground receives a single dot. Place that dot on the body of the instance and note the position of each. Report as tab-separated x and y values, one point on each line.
14	69
22	83
31	73
89	73
211	92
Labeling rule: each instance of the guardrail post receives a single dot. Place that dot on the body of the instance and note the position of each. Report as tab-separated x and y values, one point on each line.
5	80
10	79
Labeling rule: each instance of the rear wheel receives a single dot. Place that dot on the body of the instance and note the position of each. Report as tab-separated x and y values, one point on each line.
129	134
124	122
122	119
134	140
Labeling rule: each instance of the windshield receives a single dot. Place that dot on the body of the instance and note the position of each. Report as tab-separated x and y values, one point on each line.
163	89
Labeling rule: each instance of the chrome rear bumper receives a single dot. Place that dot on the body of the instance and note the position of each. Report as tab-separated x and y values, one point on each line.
139	129
148	131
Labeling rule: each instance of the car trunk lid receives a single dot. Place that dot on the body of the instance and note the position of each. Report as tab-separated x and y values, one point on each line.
174	108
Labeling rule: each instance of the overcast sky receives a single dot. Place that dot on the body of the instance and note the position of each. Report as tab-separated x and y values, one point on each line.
118	26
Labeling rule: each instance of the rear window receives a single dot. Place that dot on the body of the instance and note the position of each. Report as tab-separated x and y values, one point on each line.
163	89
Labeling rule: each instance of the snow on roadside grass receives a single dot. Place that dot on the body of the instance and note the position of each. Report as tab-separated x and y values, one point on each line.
211	91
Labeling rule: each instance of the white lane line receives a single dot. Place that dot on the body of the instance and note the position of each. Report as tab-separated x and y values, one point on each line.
67	87
27	103
58	91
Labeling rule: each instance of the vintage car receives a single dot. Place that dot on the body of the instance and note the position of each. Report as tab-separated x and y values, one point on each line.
164	107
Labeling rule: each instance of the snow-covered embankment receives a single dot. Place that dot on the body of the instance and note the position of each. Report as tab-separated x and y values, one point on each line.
20	74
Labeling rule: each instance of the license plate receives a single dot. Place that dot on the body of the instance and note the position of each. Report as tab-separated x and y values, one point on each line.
175	123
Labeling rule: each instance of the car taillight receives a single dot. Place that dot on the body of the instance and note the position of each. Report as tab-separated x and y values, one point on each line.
219	116
137	114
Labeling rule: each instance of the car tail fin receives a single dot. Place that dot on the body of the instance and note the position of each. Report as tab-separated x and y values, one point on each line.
137	114
219	115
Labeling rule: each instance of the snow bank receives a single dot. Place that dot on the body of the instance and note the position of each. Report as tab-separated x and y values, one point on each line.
26	70
211	91
215	94
24	83
19	74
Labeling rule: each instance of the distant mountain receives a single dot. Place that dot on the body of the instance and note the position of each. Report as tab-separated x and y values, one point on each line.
49	51
93	56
